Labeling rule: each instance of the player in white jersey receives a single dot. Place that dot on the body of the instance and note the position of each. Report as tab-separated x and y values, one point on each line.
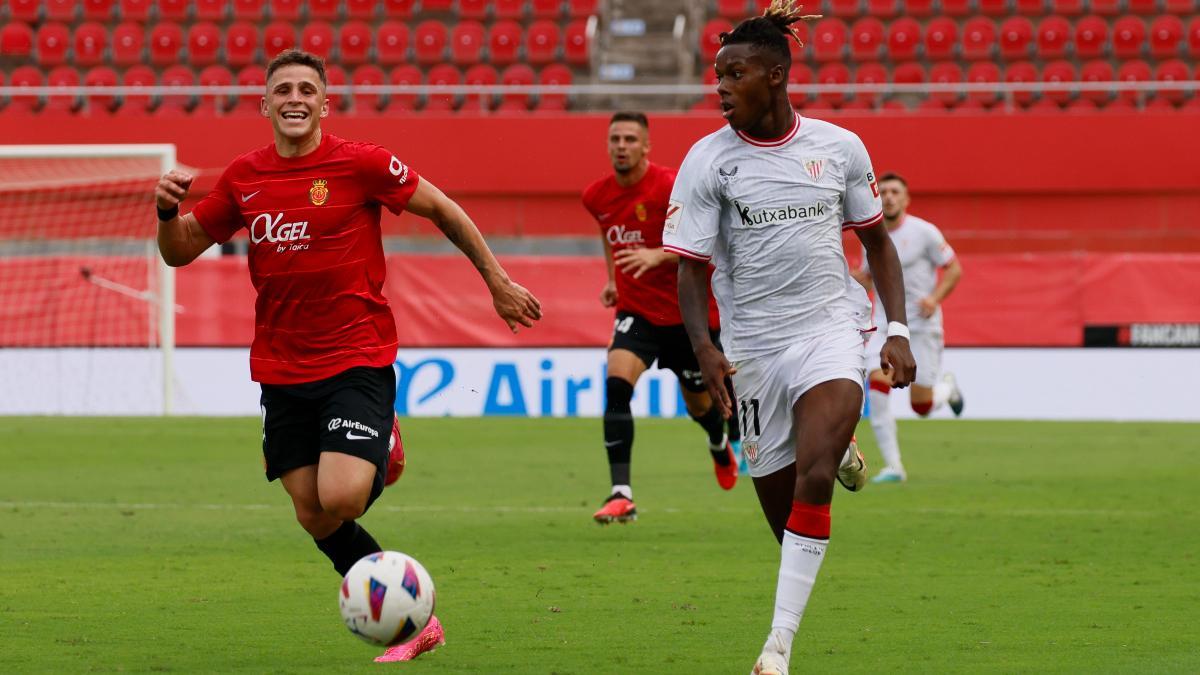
923	251
766	200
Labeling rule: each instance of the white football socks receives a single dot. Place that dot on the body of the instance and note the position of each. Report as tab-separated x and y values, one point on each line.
941	394
623	490
800	560
884	426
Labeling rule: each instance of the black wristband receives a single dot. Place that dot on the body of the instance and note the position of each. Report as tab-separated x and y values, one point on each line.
167	214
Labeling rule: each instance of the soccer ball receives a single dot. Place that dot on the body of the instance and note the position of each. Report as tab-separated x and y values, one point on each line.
386	598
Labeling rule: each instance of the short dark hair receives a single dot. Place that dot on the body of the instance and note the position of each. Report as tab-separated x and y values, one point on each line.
630	116
770	31
892	175
298	57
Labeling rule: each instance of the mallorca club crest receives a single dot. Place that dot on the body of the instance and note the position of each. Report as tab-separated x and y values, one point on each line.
640	212
814	167
319	192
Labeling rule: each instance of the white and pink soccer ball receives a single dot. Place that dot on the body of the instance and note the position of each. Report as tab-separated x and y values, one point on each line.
386	598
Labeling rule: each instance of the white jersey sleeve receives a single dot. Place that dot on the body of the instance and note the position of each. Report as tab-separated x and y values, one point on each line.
936	249
862	206
694	211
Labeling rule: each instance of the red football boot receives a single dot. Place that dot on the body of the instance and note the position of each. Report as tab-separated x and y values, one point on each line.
395	454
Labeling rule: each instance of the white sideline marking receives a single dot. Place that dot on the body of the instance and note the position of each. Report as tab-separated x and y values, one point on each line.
418	508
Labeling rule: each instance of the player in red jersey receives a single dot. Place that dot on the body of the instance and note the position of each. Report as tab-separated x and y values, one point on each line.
630	207
324	337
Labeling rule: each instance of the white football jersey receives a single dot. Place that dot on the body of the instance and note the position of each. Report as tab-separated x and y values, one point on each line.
923	251
769	214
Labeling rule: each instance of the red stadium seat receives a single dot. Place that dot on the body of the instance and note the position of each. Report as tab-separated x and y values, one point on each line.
25	76
1067	7
1193	38
323	10
135	10
391	43
581	9
509	9
99	10
1128	37
1096	71
995	8
800	74
844	8
91	41
918	8
1173	70
176	76
1180	7
575	43
203	40
482	75
1016	37
369	74
61	10
443	75
866	39
541	42
166	39
210	10
101	76
1134	71
214	76
941	37
250	76
869	73
504	40
429	41
1166	36
336	75
1053	36
249	10
1031	7
546	9
710	38
956	7
436	5
979	38
26	11
398	9
278	36
833	74
1142	6
829	39
466	43
406	75
946	73
354	44
361	10
65	77
884	9
1105	7
554	74
1091	36
473	10
800	52
1057	72
241	44
317	37
286	10
904	37
173	10
983	72
128	42
516	74
53	40
909	73
1019	73
16	41
734	10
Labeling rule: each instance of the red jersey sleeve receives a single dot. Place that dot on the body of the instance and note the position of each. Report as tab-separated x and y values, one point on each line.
218	213
385	179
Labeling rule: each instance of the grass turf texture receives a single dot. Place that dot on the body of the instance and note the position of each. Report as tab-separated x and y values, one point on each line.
154	545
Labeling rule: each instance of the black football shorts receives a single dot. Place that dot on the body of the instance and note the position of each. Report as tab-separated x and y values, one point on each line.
669	345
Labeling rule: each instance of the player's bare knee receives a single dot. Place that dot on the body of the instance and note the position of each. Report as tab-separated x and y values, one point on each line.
345	506
314	520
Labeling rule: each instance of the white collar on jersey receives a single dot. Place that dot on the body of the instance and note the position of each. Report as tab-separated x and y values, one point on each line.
771	142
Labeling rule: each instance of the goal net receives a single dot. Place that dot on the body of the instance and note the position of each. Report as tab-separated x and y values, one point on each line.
87	308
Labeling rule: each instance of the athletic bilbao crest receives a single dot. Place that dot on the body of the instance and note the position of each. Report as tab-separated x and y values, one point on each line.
375	594
410	582
319	192
751	450
640	212
815	167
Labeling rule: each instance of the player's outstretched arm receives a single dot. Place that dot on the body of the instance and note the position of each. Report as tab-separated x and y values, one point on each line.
896	357
693	304
180	238
513	303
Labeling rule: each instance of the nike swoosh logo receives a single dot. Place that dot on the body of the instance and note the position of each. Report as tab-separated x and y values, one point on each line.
351	436
248	197
612	444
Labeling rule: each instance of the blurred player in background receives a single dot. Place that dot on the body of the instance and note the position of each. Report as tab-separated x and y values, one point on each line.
923	251
630	206
325	339
766	199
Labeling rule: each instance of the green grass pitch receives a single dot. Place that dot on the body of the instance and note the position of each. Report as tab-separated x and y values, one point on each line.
152	545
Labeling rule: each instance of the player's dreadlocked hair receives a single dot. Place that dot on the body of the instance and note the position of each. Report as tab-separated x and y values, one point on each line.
771	30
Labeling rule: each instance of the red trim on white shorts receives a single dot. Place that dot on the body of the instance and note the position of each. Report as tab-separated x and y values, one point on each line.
686	253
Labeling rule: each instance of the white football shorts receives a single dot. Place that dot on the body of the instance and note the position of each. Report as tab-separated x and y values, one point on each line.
768	386
926	346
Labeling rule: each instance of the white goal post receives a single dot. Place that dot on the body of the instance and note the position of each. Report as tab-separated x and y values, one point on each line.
83	291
